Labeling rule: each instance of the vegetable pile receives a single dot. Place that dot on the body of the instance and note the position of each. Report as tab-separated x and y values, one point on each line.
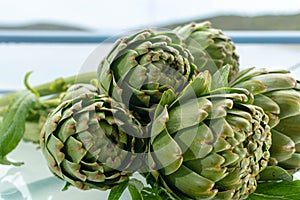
172	106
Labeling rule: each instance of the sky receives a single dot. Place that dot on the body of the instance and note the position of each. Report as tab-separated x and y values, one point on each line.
125	14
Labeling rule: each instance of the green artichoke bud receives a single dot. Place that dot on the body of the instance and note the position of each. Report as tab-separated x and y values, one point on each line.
141	67
277	92
92	142
38	116
209	147
211	48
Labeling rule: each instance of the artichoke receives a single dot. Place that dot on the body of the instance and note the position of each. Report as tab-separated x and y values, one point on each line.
209	147
141	67
211	48
277	92
92	142
37	116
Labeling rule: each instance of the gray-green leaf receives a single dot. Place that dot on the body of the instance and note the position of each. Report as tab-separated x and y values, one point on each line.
13	125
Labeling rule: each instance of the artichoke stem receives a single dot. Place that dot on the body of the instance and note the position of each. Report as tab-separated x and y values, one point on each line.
47	88
51	102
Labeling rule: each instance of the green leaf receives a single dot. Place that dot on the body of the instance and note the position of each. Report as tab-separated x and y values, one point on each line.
277	190
156	191
274	173
167	153
275	81
254	86
66	187
117	192
159	123
150	194
198	87
135	188
13	125
220	77
166	100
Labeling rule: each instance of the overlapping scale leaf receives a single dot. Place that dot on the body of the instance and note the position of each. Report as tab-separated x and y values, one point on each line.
139	68
92	142
211	48
218	152
277	92
79	89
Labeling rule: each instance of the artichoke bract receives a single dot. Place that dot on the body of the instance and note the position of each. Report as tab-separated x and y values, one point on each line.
139	68
277	92
209	147
79	89
211	48
92	142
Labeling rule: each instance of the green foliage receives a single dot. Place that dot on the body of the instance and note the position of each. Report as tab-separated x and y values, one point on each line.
277	190
13	125
117	192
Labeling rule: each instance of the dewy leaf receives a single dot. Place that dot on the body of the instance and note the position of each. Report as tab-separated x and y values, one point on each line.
13	125
277	190
117	192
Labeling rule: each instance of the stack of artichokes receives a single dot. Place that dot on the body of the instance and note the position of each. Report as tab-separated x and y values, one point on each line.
174	107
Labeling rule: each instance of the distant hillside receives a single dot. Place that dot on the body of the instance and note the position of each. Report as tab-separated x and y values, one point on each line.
43	27
266	22
226	22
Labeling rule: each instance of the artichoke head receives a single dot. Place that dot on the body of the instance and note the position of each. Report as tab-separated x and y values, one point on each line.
277	92
139	68
211	48
92	142
209	147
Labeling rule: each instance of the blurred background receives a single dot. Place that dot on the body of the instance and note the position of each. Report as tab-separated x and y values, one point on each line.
110	18
50	60
116	15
